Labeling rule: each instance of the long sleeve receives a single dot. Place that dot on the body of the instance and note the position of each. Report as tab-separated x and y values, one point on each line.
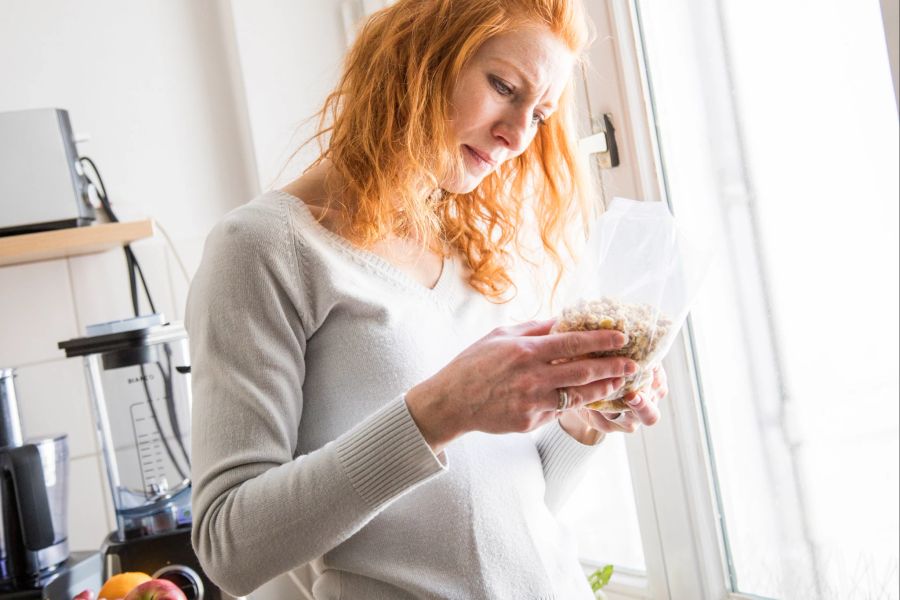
259	508
564	460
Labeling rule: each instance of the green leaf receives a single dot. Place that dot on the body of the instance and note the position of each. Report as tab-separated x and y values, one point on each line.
599	578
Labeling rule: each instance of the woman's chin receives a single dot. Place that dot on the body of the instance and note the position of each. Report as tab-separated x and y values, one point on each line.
462	185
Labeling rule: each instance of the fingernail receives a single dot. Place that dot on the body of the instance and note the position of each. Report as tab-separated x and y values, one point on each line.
622	340
631	368
635	401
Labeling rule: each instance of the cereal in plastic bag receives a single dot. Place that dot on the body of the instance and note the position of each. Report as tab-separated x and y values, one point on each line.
638	275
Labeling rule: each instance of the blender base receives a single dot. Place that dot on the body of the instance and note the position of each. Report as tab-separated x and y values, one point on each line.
171	551
81	571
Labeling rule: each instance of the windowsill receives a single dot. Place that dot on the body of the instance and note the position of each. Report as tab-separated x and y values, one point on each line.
625	584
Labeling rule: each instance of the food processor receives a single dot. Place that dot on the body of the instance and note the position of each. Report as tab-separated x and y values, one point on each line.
35	561
138	373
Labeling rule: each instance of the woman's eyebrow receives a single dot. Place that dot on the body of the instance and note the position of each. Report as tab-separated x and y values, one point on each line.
527	81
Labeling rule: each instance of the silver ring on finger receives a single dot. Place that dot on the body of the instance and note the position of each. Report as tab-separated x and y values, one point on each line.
620	418
564	400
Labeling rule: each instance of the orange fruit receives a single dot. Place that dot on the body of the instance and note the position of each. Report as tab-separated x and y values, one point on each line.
118	586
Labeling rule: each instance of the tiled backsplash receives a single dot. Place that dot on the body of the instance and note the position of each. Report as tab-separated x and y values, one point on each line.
36	312
53	399
47	302
90	516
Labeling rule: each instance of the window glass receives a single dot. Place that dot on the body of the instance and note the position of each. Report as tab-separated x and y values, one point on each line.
777	128
601	511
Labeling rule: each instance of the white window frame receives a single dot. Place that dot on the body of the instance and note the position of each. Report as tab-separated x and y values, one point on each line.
890	12
670	463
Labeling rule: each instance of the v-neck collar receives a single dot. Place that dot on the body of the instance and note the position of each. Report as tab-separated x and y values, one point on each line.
443	287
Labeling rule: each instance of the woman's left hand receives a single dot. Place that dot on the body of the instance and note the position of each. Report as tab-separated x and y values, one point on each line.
584	424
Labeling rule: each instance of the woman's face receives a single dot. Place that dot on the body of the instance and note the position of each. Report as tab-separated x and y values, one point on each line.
503	95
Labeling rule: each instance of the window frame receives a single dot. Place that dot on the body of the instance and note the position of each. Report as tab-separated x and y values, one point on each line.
671	464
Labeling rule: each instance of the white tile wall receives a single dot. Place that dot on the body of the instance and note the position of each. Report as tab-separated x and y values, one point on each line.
35	312
53	398
89	521
152	256
190	251
100	288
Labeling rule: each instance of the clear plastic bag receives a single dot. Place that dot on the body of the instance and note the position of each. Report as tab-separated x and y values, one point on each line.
639	275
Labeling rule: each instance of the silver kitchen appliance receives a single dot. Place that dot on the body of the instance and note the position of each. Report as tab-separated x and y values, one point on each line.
138	373
34	480
42	184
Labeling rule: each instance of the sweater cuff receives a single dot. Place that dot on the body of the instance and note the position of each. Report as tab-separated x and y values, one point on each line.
386	455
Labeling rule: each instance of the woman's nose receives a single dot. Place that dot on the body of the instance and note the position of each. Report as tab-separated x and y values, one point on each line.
514	130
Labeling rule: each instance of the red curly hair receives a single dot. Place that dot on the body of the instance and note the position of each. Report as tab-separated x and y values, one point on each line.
389	140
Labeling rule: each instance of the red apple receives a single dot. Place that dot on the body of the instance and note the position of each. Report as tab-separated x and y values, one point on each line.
156	589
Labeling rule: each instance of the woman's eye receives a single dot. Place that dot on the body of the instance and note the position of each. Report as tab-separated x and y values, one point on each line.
506	90
502	88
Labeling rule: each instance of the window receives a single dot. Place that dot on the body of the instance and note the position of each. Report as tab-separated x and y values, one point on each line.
602	514
771	127
777	131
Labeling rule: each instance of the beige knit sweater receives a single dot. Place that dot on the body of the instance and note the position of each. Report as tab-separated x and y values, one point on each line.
302	348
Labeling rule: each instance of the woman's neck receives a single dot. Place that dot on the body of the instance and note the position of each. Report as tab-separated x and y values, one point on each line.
321	189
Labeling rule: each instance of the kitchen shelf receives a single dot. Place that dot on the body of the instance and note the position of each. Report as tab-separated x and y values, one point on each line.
47	245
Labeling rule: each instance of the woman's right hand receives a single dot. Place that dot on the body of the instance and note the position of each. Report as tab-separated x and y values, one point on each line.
507	381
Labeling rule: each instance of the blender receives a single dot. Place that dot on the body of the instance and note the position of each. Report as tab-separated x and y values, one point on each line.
138	373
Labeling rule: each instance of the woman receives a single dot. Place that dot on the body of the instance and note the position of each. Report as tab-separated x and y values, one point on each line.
351	401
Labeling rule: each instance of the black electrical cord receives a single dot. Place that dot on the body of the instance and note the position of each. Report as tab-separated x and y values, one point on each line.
135	271
130	258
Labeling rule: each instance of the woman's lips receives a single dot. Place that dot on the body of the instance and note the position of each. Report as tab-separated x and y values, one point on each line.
479	158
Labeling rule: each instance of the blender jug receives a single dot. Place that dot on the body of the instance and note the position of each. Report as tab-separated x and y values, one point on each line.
139	377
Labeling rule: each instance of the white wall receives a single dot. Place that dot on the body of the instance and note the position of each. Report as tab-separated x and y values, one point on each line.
189	107
290	56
